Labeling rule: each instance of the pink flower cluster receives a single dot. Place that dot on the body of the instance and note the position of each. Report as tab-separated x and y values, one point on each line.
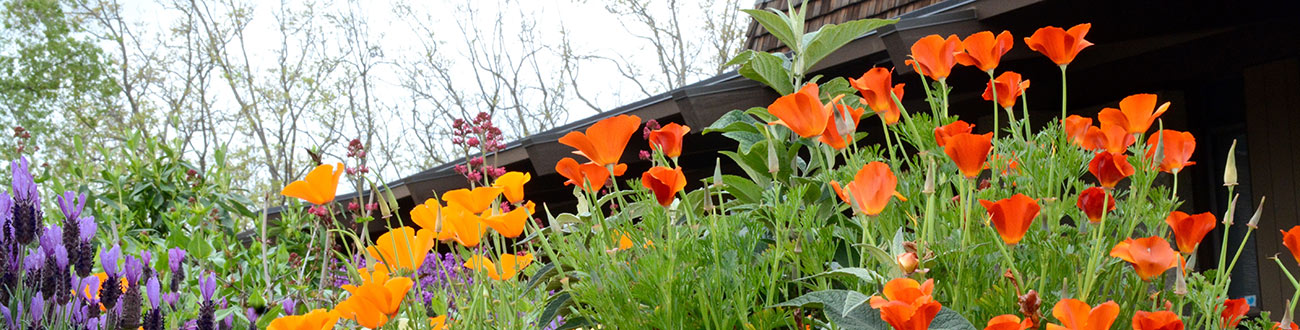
478	133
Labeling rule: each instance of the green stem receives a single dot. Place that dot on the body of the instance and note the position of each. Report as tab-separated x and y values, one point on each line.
893	160
1091	272
993	86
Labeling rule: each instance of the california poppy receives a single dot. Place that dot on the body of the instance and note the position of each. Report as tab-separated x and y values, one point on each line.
942	133
319	185
428	215
1150	256
1177	147
318	319
438	322
1110	168
1009	87
907	305
984	51
476	201
1012	216
1291	239
376	300
969	152
669	139
907	262
1008	322
461	225
1091	201
1189	230
604	141
402	248
510	265
664	182
870	190
1233	311
1136	113
1076	127
801	111
845	116
593	175
1161	320
1077	315
1058	44
510	224
1110	137
625	242
935	56
875	88
512	185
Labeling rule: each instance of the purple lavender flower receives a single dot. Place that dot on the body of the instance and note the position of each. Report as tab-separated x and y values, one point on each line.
153	289
7	215
229	321
154	319
89	284
170	298
108	260
37	309
176	261
27	200
9	317
146	259
251	314
86	228
208	286
289	306
133	271
34	260
71	204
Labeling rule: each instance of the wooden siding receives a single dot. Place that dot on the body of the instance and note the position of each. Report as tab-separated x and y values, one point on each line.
822	12
1272	111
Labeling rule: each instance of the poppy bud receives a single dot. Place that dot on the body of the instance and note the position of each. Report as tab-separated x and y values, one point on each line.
929	179
907	262
1180	283
1232	210
773	163
1230	169
1259	212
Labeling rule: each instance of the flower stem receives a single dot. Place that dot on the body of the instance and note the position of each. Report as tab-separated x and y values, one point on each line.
1090	273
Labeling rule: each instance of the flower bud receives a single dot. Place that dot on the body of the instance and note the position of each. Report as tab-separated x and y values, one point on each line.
907	262
1232	210
929	179
1230	169
1259	212
773	162
1180	283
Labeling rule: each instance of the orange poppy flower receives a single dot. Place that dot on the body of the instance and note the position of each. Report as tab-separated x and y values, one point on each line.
664	182
1136	113
461	225
801	111
1149	256
318	319
476	201
1009	87
510	224
1077	315
1012	216
403	248
589	173
669	139
625	242
1291	239
1058	44
318	187
1161	320
604	141
1233	311
983	51
907	262
1110	168
1092	200
510	265
870	189
942	133
907	305
1008	322
1112	138
512	185
376	300
1189	230
832	135
969	152
1076	127
875	88
438	322
1177	146
428	215
935	56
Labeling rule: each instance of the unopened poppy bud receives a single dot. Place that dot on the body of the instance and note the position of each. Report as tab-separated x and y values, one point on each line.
1230	169
1259	212
773	162
907	262
929	179
1232	210
1286	318
1180	283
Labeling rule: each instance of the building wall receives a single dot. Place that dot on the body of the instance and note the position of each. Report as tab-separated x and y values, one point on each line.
1272	112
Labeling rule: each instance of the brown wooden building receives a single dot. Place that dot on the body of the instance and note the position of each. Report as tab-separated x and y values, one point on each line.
1231	69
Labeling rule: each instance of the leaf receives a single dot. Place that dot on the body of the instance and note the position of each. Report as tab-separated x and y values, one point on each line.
834	302
948	319
731	121
768	69
575	323
742	188
866	275
831	37
776	23
546	273
553	307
